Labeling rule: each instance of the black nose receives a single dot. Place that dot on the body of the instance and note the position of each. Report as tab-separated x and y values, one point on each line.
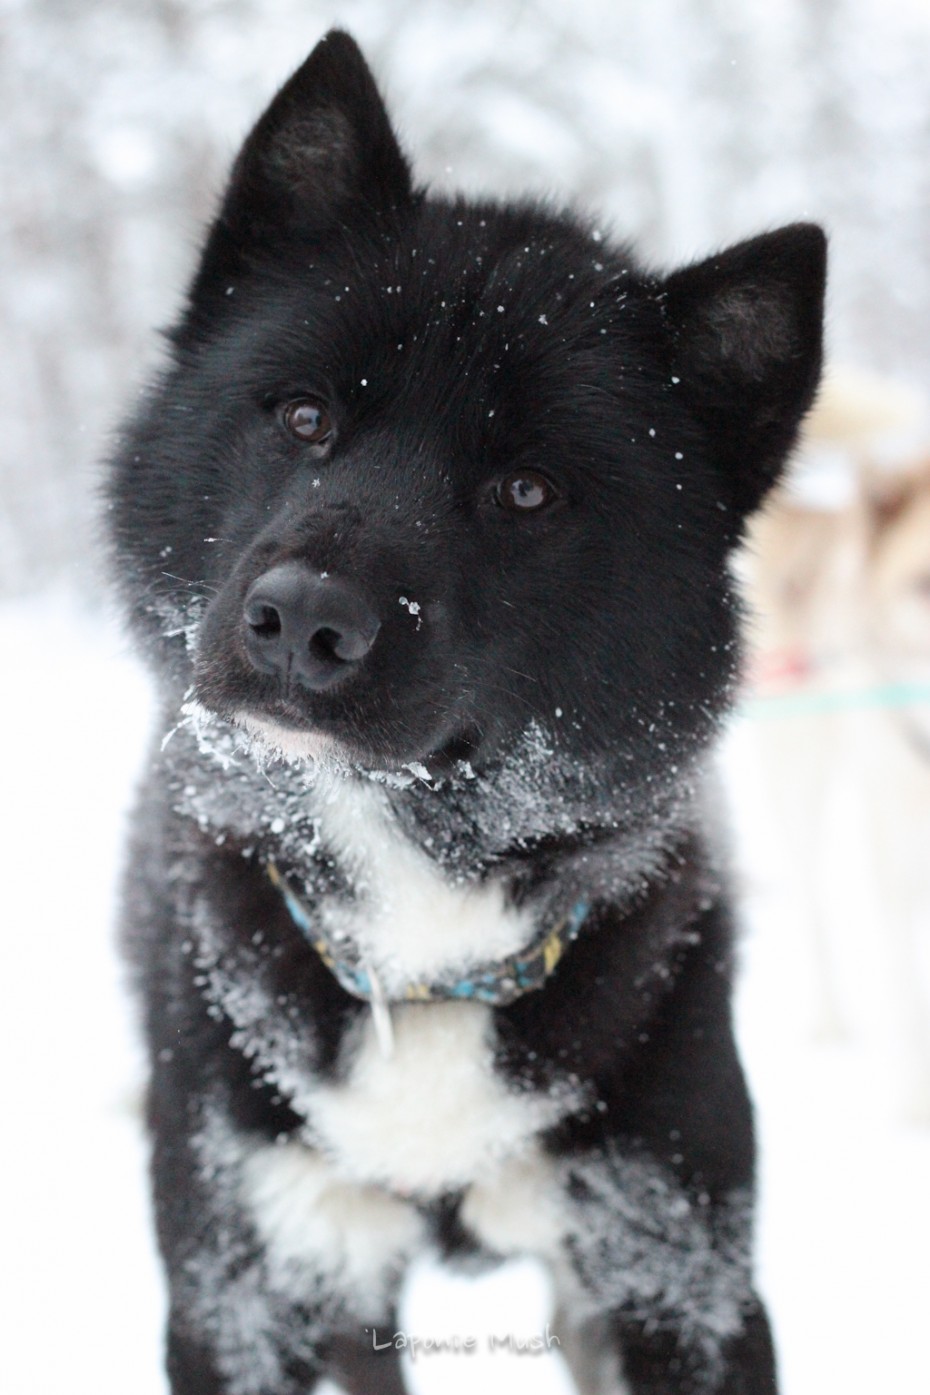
301	625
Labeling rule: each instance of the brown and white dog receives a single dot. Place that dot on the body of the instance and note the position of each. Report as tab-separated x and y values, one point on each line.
838	574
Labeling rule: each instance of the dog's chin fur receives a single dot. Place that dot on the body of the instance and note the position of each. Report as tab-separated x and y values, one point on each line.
324	752
292	745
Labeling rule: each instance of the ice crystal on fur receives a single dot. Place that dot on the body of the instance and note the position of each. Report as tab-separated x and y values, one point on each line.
646	1247
257	1317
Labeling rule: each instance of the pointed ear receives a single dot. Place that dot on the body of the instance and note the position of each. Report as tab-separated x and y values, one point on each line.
747	343
323	153
886	494
322	157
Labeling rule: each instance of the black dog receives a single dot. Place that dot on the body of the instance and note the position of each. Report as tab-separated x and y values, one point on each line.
426	528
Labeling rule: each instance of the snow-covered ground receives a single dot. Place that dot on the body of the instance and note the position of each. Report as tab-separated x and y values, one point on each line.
845	1223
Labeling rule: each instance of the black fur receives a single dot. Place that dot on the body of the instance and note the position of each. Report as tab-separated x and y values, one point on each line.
554	678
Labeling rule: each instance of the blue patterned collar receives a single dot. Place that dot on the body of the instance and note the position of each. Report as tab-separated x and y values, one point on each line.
497	983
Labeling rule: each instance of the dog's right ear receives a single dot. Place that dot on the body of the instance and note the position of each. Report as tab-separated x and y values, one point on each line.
323	155
886	494
324	147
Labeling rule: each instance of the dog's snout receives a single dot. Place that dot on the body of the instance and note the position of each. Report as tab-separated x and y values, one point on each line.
307	626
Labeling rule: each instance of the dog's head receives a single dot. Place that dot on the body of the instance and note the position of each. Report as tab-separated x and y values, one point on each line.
895	601
422	473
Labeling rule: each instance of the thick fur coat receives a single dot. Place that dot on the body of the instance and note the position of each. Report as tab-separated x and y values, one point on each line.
425	529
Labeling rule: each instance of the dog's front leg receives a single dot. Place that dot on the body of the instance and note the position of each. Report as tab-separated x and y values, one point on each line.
669	1272
233	1325
359	1367
279	1273
662	1268
658	1202
365	1361
658	1360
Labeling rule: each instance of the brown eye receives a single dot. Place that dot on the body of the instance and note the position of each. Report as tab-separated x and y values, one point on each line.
309	420
524	491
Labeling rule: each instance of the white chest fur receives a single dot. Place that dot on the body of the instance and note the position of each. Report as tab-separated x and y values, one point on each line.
411	922
431	1118
357	1238
434	1115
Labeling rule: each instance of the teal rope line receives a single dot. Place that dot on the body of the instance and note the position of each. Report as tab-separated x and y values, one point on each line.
807	704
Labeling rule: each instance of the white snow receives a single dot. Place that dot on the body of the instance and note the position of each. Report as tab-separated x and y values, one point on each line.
845	1218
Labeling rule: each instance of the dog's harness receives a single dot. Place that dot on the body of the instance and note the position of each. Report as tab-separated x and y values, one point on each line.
497	983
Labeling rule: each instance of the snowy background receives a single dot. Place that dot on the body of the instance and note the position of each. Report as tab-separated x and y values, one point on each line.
688	123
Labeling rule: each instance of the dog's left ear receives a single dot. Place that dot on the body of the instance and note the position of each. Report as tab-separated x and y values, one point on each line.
747	347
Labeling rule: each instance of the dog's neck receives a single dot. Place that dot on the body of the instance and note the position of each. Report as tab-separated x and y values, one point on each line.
427	882
364	857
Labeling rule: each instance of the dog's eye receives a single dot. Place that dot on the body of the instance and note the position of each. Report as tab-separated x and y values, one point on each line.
309	420
524	491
